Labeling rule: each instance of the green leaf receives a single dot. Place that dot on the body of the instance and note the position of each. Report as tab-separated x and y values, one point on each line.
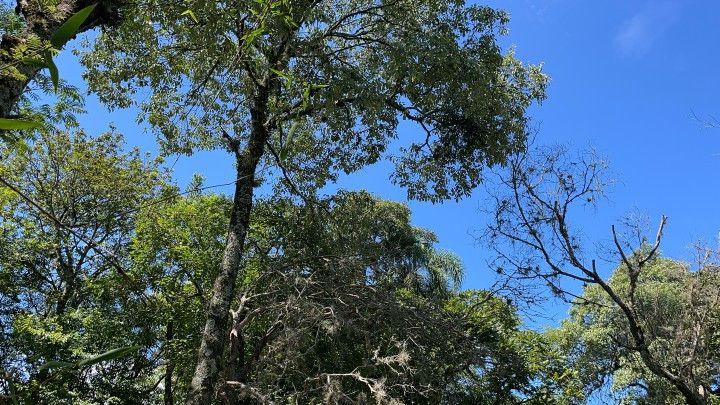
10	124
190	14
306	97
280	73
109	355
57	364
70	27
34	62
291	132
52	67
288	77
288	140
252	35
14	143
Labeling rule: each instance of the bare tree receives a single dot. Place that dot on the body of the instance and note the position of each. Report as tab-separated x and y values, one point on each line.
532	236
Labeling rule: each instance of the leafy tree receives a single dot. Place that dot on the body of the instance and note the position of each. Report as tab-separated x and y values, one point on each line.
679	312
520	367
531	232
320	86
176	251
354	305
67	215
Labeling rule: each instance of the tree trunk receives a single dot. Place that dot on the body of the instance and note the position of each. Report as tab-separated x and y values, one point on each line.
692	396
11	88
235	362
41	23
169	368
214	339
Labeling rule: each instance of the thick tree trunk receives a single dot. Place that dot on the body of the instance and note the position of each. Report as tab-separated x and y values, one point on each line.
41	22
215	335
693	396
11	88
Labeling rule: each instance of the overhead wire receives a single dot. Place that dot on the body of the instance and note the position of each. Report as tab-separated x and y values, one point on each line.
98	247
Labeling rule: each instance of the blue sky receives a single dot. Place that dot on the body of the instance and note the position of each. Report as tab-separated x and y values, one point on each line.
627	78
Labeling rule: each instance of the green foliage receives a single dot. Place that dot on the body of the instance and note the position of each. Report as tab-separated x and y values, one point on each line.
17	124
355	254
362	258
678	311
59	288
34	52
60	37
179	244
11	124
524	365
342	299
70	27
190	14
107	356
176	253
52	69
10	22
342	75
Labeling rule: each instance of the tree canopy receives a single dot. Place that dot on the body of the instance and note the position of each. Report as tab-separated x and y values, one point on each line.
333	79
678	308
118	286
354	305
315	88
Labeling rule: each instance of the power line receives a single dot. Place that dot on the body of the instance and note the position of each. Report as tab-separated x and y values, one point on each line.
94	245
97	247
180	194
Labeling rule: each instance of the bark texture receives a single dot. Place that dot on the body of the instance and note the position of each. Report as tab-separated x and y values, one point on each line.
41	21
214	340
